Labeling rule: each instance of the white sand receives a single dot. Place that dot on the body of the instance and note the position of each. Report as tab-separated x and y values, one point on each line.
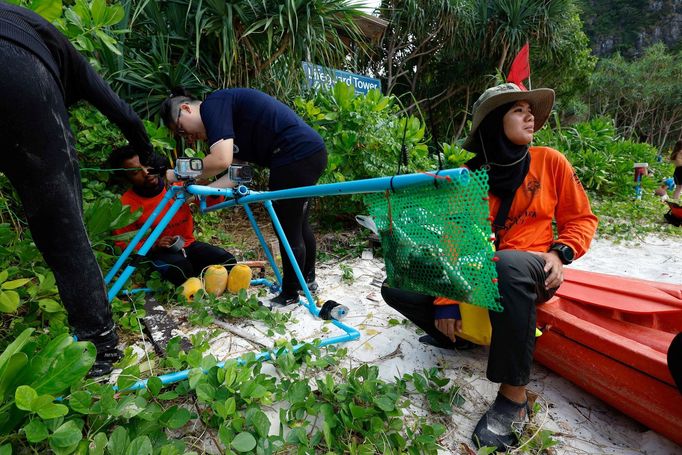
582	424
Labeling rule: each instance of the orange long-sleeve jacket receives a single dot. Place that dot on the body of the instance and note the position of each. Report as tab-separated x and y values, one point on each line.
551	191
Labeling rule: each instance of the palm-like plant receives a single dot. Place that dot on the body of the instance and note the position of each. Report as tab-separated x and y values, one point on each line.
237	42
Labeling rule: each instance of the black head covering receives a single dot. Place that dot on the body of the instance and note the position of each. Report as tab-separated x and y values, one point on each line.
507	164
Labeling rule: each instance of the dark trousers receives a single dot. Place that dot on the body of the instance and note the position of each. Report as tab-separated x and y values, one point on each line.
177	266
293	216
38	157
521	284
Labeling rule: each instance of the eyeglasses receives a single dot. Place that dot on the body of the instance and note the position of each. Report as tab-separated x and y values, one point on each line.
178	128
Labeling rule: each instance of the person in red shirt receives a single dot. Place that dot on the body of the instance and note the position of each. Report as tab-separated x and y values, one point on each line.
531	188
177	255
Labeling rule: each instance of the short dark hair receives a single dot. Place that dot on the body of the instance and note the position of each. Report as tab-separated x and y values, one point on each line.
169	106
118	156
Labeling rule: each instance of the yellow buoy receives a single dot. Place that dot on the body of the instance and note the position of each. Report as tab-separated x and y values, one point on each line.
215	280
240	278
191	287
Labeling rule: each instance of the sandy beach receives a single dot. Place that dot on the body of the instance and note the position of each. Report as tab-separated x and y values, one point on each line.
582	424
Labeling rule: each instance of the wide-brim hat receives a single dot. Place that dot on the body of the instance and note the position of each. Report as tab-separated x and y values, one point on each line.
541	101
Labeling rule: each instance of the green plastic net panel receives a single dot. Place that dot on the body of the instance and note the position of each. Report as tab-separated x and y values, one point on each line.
436	239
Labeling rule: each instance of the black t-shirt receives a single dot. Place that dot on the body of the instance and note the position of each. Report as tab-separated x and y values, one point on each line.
266	130
78	80
677	176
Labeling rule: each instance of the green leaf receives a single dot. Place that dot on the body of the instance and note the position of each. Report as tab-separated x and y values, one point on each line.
154	385
98	444
298	392
24	397
130	406
385	403
15	346
206	392
36	431
49	9
48	283
6	449
80	401
118	441
10	372
9	301
66	435
50	306
230	406
68	368
360	412
261	423
15	283
52	410
170	395
3	276
243	442
175	417
97	9
141	445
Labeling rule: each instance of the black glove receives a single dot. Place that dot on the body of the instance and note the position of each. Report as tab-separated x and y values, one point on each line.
158	165
146	154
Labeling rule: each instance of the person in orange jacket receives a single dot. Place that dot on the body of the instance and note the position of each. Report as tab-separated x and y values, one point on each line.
176	254
531	188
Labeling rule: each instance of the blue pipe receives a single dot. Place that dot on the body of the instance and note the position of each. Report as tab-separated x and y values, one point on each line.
460	175
292	258
146	246
140	233
263	244
137	291
171	378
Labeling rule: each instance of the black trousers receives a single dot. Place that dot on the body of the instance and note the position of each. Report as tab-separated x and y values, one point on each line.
177	266
38	157
293	216
521	284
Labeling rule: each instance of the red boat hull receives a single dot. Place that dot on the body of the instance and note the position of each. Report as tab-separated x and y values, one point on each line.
610	336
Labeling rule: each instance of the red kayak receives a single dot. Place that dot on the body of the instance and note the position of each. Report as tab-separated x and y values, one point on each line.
610	336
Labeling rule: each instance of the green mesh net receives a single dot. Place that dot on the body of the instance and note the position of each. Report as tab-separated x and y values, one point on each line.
436	239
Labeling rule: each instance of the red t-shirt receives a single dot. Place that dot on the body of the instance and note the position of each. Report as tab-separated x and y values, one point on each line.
182	223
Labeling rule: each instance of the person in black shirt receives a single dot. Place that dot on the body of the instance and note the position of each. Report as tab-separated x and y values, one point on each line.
41	75
676	159
270	134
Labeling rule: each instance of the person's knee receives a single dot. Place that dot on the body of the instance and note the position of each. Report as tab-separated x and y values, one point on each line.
390	295
176	272
225	258
513	264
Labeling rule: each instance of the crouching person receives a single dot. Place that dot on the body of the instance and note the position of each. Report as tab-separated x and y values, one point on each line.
176	254
530	188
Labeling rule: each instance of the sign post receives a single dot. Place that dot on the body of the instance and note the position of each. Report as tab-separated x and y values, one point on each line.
320	76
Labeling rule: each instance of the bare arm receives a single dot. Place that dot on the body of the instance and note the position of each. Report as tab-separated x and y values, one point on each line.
219	159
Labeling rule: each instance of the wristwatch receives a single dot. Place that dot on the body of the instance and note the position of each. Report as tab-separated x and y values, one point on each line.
566	254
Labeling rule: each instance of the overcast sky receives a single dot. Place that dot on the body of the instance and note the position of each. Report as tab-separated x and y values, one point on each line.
369	5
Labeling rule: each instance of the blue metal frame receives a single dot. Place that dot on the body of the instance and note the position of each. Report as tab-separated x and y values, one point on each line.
241	195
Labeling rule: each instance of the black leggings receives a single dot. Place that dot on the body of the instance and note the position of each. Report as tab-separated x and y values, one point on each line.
176	266
38	157
293	215
521	282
